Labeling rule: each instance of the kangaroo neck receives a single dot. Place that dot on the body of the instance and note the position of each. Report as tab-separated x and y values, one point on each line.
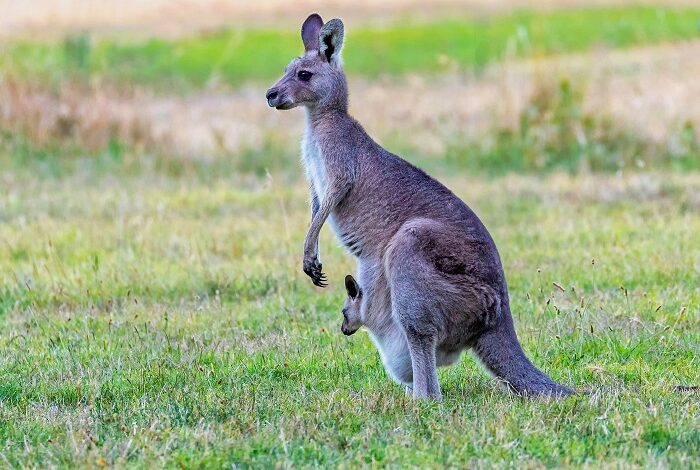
377	318
385	331
319	119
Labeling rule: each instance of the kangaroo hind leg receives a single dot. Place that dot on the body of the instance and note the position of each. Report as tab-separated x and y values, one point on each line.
416	309
414	318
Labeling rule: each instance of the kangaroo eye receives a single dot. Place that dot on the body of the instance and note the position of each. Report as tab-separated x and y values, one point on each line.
304	76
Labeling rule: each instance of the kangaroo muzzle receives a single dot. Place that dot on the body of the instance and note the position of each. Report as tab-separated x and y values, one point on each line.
273	97
277	99
347	331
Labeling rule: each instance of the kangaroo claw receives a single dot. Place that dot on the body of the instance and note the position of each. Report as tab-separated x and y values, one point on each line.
313	269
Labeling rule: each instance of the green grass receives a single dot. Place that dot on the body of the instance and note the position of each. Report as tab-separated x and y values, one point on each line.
153	311
235	56
153	318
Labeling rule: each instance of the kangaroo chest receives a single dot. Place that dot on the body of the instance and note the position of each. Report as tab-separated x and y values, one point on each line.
316	172
314	165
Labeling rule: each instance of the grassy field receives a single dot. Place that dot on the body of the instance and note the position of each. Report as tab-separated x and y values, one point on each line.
153	311
149	319
232	57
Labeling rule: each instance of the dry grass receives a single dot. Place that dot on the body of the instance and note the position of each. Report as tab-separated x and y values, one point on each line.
91	117
168	18
650	91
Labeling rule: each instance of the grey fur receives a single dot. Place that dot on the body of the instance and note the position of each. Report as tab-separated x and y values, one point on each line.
431	284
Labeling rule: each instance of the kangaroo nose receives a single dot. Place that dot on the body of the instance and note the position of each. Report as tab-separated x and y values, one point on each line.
271	94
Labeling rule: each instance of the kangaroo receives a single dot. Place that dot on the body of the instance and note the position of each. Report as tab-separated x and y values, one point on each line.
430	280
388	336
352	312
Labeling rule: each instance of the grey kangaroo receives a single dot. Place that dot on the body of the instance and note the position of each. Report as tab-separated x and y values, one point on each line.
431	284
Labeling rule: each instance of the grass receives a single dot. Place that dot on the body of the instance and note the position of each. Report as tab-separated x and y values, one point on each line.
235	56
554	133
152	318
153	312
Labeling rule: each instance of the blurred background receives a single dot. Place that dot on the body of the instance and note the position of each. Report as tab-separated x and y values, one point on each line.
486	86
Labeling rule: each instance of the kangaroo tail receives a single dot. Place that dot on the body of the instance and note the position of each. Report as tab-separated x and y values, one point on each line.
500	352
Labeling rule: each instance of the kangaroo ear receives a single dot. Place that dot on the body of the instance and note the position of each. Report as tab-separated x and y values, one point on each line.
310	31
331	41
352	287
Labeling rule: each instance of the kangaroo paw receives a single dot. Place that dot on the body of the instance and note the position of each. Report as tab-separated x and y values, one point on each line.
313	269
